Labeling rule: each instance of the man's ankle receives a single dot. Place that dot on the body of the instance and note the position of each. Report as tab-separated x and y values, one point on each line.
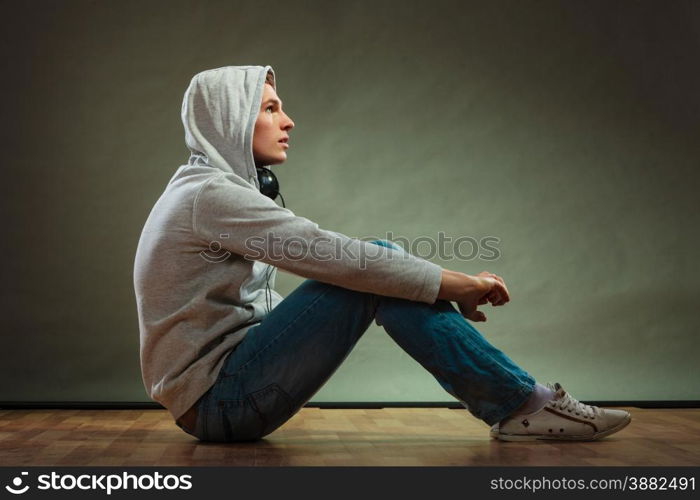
538	398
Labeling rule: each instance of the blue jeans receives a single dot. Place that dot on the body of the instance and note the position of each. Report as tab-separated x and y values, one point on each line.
284	360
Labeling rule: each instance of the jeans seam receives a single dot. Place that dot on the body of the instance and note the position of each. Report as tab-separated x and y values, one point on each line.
521	387
491	359
261	416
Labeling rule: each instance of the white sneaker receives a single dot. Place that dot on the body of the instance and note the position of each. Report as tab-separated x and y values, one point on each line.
562	418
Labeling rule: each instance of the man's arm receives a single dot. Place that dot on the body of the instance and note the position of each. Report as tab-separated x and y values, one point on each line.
247	223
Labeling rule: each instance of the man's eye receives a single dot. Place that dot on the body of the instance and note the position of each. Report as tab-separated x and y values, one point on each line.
269	107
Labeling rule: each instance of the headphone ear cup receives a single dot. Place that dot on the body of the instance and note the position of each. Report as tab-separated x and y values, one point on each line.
268	182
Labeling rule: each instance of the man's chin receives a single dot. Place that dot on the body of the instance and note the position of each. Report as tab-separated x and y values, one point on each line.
278	160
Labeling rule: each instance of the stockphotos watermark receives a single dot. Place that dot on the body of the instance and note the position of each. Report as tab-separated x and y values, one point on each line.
106	483
273	248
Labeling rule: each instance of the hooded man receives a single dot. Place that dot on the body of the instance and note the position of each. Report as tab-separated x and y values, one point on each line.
232	360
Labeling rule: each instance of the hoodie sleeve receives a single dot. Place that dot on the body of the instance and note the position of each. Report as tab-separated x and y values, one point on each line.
247	223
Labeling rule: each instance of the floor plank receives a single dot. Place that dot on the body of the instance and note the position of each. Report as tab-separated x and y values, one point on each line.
333	437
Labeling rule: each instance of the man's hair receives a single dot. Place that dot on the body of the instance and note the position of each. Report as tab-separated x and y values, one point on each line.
270	79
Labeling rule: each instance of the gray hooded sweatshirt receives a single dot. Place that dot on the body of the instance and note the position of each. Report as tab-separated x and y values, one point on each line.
212	239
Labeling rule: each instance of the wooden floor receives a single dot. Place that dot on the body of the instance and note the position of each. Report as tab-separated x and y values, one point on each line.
315	437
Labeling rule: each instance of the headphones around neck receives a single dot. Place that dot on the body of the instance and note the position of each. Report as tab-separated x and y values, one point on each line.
269	186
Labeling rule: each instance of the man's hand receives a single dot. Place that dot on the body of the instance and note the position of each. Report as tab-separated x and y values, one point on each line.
469	292
497	293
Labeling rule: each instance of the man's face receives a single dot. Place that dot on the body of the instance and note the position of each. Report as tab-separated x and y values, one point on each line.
271	129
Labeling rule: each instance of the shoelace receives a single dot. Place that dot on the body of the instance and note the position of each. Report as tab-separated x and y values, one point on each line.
570	404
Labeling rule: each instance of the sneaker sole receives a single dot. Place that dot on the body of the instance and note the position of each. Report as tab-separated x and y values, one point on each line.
556	437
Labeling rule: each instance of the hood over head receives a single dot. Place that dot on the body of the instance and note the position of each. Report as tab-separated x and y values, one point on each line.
219	111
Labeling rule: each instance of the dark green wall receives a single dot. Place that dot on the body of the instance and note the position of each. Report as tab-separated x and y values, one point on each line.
568	130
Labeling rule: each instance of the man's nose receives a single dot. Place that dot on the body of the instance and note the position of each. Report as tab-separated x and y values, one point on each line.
288	123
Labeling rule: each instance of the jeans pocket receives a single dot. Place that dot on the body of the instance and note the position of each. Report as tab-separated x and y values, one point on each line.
274	406
253	417
238	421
